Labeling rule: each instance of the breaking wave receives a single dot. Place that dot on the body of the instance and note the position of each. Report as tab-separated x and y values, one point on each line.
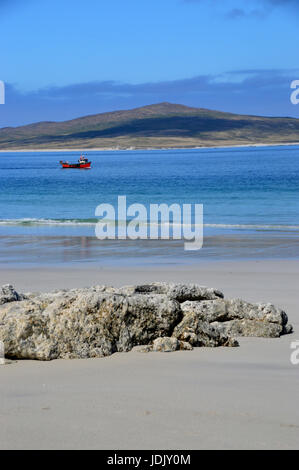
93	221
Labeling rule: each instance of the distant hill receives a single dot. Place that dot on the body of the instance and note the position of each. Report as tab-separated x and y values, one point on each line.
154	126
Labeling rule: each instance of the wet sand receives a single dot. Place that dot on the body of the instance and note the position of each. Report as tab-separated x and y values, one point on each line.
232	398
29	249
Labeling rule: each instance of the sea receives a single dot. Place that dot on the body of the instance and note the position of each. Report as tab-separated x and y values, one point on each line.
250	198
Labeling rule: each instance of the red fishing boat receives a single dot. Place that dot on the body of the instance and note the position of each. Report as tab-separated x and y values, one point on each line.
82	163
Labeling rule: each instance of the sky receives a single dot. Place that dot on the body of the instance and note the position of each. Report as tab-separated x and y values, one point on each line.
62	59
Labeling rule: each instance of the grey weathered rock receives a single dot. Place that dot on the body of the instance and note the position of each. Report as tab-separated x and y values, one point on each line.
201	333
142	349
166	344
185	346
179	292
101	320
84	325
248	328
239	318
8	294
287	329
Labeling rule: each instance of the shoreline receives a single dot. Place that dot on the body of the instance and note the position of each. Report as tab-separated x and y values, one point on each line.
283	144
73	246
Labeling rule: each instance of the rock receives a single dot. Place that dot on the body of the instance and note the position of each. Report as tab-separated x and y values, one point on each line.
142	349
200	333
8	294
184	346
248	328
165	344
206	311
287	329
92	324
2	353
179	292
239	318
101	320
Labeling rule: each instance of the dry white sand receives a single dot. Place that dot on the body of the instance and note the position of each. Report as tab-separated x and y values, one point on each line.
230	398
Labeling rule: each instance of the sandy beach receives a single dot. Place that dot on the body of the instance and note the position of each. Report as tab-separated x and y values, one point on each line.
208	398
113	149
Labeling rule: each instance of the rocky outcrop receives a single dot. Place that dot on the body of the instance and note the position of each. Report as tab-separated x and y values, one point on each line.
8	294
85	324
98	321
238	318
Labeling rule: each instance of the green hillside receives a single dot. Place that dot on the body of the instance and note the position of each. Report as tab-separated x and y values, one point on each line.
155	126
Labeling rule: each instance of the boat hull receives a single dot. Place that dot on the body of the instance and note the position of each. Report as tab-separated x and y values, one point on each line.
76	165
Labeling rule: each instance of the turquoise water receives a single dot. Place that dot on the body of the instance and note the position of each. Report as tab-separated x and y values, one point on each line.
252	191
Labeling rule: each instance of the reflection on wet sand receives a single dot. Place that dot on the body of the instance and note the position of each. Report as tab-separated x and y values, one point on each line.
72	249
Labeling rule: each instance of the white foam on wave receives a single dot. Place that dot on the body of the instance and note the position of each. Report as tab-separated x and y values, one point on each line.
92	222
29	221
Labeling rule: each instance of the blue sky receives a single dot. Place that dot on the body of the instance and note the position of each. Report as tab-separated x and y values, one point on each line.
64	59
